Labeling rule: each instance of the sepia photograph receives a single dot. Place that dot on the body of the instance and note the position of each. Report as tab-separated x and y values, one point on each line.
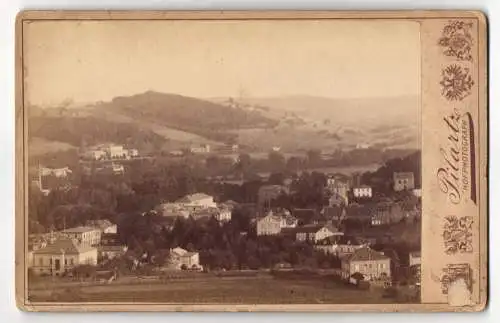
206	161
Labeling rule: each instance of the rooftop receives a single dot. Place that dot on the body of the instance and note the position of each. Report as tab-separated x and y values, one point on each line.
63	246
356	210
196	197
81	229
311	228
403	174
415	254
332	212
365	254
99	223
339	239
182	252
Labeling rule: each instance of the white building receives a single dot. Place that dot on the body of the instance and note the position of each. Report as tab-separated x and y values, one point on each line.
115	151
105	226
95	154
172	210
61	256
86	236
415	258
314	233
223	215
203	149
110	151
269	225
133	152
363	191
198	201
181	258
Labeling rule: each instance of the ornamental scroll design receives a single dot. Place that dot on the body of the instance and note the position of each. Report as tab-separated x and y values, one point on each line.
456	40
455	272
456	82
457	234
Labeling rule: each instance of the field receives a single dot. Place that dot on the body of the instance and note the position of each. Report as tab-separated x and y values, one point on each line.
262	289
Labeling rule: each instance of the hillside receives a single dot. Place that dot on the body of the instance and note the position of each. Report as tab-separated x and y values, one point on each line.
294	123
74	131
191	115
328	123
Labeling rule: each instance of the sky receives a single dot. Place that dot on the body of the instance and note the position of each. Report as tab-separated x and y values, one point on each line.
96	61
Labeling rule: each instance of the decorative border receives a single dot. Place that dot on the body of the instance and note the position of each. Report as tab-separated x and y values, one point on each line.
457	41
454	272
456	82
457	234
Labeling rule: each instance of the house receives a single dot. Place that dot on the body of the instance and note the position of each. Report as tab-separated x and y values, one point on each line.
414	258
94	154
363	191
334	214
223	214
228	149
359	212
172	210
307	216
267	193
387	213
61	256
269	225
205	213
417	192
115	151
339	191
176	153
110	151
203	149
110	239
337	200
183	259
133	152
111	251
371	264
288	221
339	245
403	181
229	204
314	232
49	179
197	201
115	168
104	225
87	236
56	172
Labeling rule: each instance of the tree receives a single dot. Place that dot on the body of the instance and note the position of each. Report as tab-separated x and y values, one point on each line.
294	164
212	162
276	179
313	157
276	160
244	163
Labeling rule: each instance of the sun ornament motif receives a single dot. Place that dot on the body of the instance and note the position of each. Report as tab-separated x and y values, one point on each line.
456	82
457	40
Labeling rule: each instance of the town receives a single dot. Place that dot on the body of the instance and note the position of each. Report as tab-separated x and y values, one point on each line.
118	216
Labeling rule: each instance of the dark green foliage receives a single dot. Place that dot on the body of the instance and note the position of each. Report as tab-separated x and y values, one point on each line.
92	131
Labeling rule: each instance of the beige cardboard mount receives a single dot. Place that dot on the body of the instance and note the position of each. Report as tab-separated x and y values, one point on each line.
453	105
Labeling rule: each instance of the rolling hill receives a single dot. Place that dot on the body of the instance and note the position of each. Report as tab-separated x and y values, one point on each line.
191	115
327	123
170	121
